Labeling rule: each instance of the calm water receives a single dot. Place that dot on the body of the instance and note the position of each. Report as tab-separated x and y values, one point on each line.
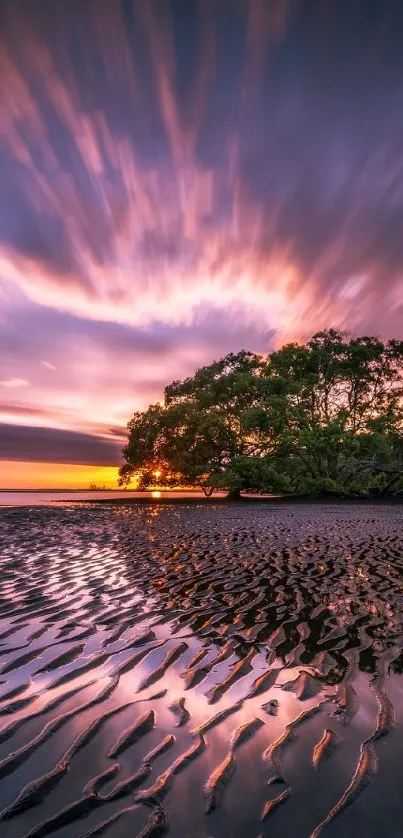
221	671
46	498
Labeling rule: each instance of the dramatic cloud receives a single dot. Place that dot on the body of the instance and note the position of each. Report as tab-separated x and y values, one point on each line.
103	371
48	445
182	179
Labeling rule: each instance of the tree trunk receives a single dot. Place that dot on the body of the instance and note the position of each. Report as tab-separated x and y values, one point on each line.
207	491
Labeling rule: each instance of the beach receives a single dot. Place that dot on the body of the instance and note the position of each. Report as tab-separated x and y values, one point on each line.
209	669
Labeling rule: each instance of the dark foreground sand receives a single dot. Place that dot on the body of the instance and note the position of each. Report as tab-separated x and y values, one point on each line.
225	671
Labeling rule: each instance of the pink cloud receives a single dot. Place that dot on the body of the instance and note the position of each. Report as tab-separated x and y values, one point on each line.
14	383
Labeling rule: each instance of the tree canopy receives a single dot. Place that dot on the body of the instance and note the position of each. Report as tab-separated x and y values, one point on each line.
323	417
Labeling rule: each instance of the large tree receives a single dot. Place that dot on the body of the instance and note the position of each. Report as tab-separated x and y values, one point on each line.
324	416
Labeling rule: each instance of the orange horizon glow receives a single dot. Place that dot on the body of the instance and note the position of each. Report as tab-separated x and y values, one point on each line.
23	475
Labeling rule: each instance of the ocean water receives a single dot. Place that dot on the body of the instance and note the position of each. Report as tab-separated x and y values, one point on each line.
44	498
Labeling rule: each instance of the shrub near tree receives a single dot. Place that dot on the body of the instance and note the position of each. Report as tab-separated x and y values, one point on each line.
324	417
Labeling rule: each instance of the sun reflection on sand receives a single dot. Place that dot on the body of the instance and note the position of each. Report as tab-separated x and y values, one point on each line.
110	614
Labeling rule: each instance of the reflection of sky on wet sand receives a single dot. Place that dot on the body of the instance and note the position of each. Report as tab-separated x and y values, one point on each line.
135	570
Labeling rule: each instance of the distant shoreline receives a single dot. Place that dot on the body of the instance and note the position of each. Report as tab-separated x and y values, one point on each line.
84	491
20	498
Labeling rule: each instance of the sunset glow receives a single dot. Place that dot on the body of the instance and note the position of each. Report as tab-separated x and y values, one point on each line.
20	475
180	181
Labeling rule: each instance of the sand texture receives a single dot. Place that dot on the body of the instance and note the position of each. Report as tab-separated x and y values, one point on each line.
230	671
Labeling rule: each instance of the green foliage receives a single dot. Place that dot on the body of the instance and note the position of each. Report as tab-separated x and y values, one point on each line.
322	418
254	474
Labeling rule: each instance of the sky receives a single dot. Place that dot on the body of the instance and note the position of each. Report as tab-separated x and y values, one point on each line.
179	180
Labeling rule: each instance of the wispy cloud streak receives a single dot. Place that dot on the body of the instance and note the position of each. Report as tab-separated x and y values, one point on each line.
170	165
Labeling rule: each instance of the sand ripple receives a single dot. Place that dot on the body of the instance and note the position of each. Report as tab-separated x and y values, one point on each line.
288	619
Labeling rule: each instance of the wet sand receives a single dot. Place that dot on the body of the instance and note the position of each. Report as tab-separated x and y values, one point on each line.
211	670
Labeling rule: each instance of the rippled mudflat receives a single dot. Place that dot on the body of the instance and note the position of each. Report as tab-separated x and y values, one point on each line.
224	671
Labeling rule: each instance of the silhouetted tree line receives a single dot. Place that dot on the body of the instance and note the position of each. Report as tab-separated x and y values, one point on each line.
321	418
